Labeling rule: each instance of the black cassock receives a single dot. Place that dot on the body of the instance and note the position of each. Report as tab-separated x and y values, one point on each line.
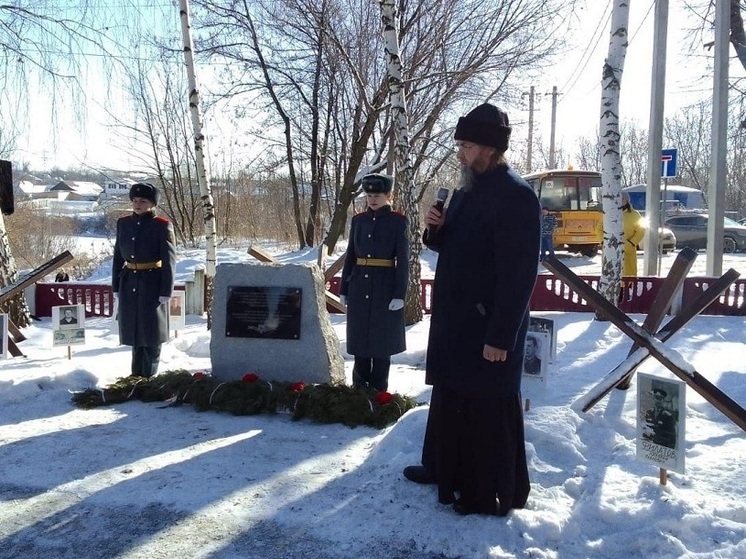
487	265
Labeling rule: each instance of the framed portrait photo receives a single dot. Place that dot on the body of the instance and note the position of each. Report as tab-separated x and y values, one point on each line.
68	324
535	364
176	311
661	415
545	326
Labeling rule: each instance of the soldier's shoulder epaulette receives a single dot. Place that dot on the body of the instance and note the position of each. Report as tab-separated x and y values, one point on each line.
398	213
162	219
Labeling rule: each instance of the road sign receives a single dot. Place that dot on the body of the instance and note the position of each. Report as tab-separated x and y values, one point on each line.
669	159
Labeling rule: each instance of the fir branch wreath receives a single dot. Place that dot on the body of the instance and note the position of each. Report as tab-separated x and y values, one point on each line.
323	403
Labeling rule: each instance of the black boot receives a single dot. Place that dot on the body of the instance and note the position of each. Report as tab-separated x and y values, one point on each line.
419	474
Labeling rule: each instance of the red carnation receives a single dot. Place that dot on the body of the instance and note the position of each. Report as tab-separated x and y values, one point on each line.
297	386
250	377
384	398
198	375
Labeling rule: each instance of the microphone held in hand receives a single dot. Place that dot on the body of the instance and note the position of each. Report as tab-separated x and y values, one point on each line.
440	202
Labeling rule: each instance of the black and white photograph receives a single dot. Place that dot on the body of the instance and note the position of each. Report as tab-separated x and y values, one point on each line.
68	325
535	364
176	313
546	326
67	318
660	421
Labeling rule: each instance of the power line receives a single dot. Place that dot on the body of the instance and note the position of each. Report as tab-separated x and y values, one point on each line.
575	76
589	50
632	38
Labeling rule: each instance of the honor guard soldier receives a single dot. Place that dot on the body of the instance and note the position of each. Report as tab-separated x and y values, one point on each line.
374	284
143	278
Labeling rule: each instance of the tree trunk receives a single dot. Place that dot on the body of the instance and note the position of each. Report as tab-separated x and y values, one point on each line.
737	34
406	198
16	308
208	209
611	170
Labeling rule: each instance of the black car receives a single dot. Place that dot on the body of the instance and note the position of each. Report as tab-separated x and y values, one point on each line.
691	231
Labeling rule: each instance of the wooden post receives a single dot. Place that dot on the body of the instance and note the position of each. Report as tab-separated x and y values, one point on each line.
11	290
663	476
336	266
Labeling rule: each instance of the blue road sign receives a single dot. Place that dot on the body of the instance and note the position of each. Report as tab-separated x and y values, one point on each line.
668	163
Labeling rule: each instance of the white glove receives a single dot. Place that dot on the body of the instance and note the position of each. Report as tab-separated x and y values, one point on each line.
343	299
163	299
396	304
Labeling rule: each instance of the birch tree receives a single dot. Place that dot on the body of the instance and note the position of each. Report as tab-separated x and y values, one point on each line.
208	209
406	199
611	165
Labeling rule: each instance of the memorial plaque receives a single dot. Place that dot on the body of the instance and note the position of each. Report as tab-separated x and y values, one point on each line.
263	312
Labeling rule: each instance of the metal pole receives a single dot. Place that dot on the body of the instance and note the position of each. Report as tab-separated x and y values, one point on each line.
552	159
663	213
716	196
655	139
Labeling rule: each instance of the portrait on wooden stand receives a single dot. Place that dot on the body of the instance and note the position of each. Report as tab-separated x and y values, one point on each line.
176	312
661	414
68	323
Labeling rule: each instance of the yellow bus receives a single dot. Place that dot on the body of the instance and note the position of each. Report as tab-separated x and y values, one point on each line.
575	198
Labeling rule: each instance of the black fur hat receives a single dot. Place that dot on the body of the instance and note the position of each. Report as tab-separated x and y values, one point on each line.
144	190
486	125
376	182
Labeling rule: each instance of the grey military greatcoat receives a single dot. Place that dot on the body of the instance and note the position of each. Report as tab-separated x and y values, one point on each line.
143	239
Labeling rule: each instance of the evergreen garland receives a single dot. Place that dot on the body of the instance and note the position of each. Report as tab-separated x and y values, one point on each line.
323	403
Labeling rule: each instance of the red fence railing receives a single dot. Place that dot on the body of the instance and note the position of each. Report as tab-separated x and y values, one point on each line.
98	299
550	294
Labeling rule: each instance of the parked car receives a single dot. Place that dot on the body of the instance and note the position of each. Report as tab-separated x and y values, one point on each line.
666	240
691	231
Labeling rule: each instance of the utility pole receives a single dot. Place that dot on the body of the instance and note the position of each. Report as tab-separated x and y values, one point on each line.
530	128
716	196
653	207
552	158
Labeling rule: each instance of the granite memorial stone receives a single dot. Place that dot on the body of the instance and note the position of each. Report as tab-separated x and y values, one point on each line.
271	319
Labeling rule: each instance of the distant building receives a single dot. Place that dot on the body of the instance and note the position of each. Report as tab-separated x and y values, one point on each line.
27	190
76	191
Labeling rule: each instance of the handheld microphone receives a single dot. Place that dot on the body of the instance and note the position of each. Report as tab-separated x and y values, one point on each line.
440	202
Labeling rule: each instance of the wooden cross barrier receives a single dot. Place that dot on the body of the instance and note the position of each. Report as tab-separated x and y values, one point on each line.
651	344
627	367
663	300
331	298
10	291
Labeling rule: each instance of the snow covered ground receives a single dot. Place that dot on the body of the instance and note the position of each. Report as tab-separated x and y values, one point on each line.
138	480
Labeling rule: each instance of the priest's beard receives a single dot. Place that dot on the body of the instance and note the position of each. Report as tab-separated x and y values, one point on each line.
468	177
